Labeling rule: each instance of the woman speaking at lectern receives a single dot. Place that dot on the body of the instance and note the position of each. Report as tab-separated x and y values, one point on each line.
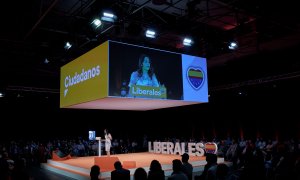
144	76
108	139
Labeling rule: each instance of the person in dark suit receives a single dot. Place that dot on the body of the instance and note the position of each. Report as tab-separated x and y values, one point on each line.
120	173
95	172
187	168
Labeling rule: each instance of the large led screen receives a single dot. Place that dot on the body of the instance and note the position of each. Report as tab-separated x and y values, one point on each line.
141	72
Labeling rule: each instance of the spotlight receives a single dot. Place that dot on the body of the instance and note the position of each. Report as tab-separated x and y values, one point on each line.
233	45
108	17
68	45
187	42
46	61
97	23
150	33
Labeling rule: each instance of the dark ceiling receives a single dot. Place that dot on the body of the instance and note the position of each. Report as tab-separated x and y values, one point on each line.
267	33
249	87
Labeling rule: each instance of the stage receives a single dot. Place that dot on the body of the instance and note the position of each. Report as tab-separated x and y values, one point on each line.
79	167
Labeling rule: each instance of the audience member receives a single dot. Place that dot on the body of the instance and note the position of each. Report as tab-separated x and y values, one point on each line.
187	168
177	173
120	173
156	172
140	174
95	172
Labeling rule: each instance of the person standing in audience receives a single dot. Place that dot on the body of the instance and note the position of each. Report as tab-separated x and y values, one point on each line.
187	168
177	173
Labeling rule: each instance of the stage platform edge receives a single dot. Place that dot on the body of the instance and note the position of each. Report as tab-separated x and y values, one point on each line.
83	173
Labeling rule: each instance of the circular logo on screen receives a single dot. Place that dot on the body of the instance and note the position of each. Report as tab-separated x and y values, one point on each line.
195	76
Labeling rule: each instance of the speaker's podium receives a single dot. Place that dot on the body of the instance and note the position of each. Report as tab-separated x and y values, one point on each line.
104	162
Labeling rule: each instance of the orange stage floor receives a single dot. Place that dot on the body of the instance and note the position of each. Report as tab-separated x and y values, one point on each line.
141	159
79	167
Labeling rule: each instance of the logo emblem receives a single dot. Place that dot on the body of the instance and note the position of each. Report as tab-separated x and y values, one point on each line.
211	148
195	76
